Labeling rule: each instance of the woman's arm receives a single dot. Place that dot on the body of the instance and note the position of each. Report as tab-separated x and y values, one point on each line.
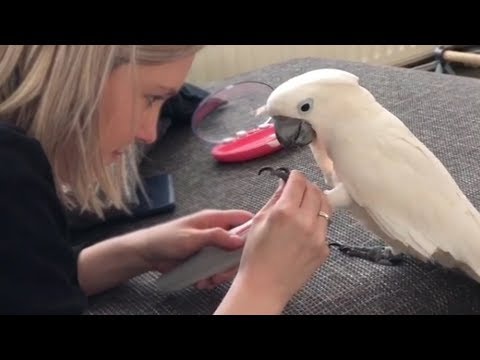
111	262
246	297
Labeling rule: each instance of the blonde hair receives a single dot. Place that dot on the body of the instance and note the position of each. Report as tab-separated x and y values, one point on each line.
53	92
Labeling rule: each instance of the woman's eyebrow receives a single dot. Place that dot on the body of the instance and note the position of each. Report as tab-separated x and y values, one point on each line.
170	91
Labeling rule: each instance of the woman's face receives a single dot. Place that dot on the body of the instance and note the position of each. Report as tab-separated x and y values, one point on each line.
130	109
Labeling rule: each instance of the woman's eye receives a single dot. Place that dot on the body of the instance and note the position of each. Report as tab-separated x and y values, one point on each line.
153	99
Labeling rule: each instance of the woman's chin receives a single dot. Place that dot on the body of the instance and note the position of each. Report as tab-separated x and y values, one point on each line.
112	158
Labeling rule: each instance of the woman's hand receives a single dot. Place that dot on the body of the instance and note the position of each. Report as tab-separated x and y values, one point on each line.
286	244
165	246
116	260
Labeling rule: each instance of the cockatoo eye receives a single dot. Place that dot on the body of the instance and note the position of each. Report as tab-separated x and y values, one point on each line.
305	106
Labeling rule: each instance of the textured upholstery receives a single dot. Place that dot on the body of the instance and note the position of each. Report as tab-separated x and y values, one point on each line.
442	110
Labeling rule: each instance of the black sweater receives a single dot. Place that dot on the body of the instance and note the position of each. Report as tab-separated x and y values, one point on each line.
38	265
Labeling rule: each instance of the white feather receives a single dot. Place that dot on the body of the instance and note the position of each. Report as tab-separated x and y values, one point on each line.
408	193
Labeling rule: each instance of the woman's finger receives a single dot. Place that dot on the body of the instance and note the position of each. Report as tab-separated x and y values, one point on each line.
276	195
312	201
203	284
325	212
225	219
217	279
225	276
293	191
218	237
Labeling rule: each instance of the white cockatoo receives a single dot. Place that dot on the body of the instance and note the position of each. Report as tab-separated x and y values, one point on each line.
378	170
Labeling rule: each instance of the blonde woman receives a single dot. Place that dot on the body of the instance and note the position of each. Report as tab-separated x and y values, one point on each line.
70	117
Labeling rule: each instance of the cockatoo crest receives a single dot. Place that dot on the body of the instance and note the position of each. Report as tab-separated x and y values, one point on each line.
318	97
320	77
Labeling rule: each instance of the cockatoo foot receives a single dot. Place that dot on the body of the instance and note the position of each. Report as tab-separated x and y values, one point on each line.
281	172
331	179
382	255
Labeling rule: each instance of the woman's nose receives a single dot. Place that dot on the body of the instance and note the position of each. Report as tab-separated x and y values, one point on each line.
147	132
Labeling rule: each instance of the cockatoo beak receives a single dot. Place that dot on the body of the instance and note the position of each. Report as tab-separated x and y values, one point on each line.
293	132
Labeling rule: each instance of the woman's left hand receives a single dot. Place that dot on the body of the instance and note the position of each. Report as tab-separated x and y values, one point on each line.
167	245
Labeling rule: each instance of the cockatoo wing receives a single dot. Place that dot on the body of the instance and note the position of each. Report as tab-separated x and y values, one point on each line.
411	197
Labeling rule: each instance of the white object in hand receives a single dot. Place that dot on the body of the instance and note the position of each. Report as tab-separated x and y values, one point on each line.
207	262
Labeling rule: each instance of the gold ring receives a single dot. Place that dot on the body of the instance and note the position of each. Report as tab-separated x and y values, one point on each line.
324	215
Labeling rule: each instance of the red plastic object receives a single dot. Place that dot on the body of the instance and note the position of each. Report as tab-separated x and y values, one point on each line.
254	144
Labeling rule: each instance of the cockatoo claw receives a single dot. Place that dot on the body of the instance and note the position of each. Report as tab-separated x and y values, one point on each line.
382	255
281	172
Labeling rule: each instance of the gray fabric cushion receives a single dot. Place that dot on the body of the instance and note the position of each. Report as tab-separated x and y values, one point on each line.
442	110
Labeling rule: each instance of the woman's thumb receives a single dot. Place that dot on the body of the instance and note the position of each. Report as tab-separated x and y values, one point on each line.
221	238
276	195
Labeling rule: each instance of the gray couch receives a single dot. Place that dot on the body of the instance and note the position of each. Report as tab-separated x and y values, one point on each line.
442	110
